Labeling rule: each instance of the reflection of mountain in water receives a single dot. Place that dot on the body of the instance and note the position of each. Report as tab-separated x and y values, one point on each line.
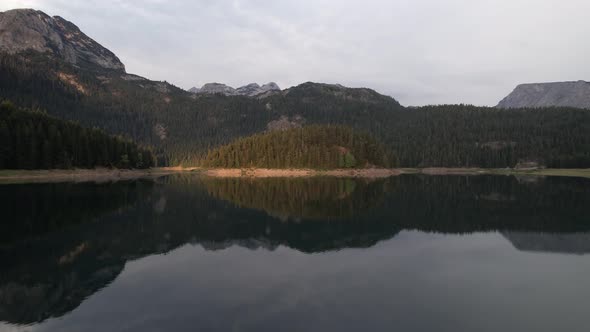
569	243
463	204
58	257
52	260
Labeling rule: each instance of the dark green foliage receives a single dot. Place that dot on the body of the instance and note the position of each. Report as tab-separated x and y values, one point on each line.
312	146
183	127
131	106
470	136
34	140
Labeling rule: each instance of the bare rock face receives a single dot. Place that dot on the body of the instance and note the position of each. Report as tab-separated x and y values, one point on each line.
254	89
564	94
32	30
268	87
160	131
285	123
249	90
218	88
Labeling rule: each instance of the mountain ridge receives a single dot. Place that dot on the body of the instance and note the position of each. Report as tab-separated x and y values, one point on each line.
551	94
248	90
24	30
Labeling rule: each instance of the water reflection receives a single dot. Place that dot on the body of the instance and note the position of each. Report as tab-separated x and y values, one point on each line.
297	198
61	243
568	243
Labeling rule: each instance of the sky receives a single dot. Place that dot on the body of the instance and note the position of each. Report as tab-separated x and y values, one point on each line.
417	51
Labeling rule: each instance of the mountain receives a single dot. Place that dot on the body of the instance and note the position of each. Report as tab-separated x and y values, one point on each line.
23	30
560	94
182	126
218	88
314	91
254	89
249	90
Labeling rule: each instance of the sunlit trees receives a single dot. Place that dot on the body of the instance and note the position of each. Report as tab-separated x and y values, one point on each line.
314	146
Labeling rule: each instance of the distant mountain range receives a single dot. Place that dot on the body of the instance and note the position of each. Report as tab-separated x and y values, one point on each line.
250	90
560	94
26	30
48	63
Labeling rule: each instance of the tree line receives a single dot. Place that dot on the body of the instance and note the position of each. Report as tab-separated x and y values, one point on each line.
34	140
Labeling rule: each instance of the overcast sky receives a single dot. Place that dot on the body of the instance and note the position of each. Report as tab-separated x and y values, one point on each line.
418	51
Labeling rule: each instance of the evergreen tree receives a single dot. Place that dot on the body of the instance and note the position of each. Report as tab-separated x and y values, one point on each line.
38	141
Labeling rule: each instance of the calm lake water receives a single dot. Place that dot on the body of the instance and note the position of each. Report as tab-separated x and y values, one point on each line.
185	253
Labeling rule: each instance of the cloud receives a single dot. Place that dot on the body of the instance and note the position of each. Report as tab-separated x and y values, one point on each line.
418	51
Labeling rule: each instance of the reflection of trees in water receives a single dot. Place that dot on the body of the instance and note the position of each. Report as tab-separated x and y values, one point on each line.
40	208
315	198
51	252
48	274
463	204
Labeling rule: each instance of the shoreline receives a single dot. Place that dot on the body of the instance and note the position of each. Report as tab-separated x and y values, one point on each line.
98	175
376	173
299	173
111	175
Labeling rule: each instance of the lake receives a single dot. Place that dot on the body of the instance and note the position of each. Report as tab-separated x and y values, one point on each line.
191	253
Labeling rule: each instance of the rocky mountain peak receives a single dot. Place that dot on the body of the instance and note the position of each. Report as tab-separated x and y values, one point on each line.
249	90
563	94
32	30
217	88
270	86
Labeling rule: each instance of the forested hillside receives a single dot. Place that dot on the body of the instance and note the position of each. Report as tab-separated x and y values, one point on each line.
178	124
33	140
308	147
182	126
464	135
